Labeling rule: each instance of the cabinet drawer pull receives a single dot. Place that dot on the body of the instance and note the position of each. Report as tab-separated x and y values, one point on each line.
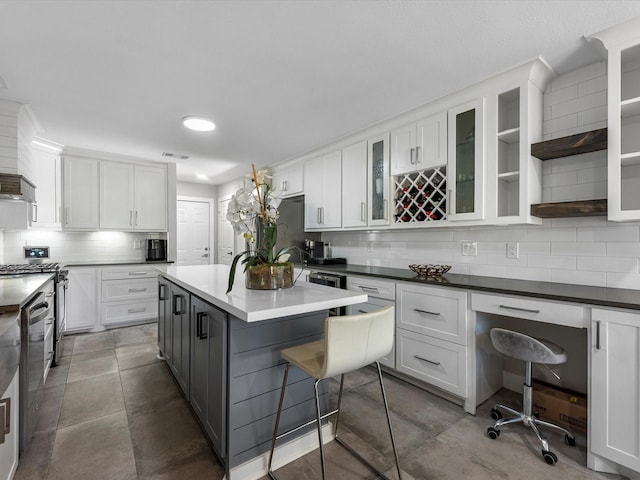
162	291
137	273
136	310
426	311
519	309
176	310
136	290
426	360
362	311
369	289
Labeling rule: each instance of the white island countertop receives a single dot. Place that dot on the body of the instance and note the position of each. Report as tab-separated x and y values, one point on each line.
209	282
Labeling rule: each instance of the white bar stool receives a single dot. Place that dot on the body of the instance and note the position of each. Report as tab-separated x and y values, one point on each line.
531	350
350	342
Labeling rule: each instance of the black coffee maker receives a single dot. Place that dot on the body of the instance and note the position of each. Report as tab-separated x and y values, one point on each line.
156	250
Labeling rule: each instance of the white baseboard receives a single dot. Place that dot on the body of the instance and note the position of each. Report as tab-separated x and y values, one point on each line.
284	454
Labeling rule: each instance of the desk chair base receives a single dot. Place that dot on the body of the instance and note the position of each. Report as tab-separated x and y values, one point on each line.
529	419
318	421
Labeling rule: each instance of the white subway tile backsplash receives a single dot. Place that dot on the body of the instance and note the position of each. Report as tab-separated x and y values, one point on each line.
583	191
592	175
579	75
535	248
623	280
533	274
579	277
608	264
596	84
488	270
557	124
565	262
561	95
537	234
620	233
593	115
623	249
592	249
501	259
580	104
560	179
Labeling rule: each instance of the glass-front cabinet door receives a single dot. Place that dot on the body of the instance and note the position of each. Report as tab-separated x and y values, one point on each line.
378	179
465	166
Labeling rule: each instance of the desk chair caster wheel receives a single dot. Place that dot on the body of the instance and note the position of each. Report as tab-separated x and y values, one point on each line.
496	414
493	433
550	457
569	440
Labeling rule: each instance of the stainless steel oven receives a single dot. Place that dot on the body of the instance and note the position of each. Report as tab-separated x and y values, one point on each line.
331	280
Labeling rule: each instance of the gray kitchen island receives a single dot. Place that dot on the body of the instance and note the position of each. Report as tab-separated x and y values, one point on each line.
224	352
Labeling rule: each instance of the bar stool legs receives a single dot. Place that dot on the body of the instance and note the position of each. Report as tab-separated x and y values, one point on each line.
318	421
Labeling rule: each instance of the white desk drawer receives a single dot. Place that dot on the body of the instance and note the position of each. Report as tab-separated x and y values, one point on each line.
116	290
372	287
570	315
435	311
134	271
431	360
129	312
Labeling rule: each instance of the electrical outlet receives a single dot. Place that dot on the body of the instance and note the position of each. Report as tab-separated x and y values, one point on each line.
513	250
470	249
137	244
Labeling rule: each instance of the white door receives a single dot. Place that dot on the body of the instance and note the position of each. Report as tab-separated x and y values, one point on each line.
225	235
193	233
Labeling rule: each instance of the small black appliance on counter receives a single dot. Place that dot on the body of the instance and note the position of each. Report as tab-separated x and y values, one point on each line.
156	250
316	254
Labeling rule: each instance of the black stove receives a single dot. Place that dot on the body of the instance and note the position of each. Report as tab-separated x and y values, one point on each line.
26	268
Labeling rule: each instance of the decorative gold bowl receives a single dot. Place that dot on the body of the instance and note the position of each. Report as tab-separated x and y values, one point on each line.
430	270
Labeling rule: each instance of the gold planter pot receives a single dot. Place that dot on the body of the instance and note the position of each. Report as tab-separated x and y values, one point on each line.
269	277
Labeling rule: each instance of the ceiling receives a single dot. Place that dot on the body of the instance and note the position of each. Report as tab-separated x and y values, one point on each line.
278	77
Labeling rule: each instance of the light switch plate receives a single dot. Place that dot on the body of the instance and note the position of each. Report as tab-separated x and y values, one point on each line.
513	250
469	249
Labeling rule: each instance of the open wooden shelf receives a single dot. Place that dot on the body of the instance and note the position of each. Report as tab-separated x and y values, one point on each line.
579	208
585	142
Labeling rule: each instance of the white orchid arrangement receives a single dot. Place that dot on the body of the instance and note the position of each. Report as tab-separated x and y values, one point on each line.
254	206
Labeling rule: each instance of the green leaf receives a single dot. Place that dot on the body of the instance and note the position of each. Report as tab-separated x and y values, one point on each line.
232	273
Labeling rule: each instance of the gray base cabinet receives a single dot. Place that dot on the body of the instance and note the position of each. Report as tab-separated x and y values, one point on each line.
208	358
179	338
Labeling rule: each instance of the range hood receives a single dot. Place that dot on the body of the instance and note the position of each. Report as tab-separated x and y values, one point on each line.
16	187
17	202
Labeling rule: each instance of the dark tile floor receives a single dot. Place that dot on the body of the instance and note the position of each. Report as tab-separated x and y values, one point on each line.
112	411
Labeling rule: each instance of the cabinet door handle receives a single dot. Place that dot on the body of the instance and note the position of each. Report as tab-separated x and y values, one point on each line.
362	212
136	310
284	185
137	273
418	155
426	311
34	217
426	360
318	217
369	289
200	316
411	158
519	309
176	310
162	291
136	290
598	335
362	311
450	202
385	209
66	215
135	219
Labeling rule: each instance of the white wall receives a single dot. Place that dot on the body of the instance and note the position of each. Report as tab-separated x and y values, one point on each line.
586	251
189	189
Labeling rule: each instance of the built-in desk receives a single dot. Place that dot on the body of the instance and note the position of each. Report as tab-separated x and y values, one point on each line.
598	327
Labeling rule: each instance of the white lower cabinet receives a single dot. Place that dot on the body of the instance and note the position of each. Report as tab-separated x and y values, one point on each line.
128	295
614	403
82	306
431	336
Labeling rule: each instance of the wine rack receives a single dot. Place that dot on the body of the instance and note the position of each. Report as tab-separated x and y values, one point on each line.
421	196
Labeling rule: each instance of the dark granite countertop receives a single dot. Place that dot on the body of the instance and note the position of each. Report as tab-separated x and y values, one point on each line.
606	297
112	263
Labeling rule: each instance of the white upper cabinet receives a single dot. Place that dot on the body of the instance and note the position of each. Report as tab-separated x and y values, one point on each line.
80	193
48	189
150	198
323	192
378	180
465	168
419	145
288	179
354	185
132	197
623	142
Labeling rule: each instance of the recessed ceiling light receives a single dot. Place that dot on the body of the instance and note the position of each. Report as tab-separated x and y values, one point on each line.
202	176
199	124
